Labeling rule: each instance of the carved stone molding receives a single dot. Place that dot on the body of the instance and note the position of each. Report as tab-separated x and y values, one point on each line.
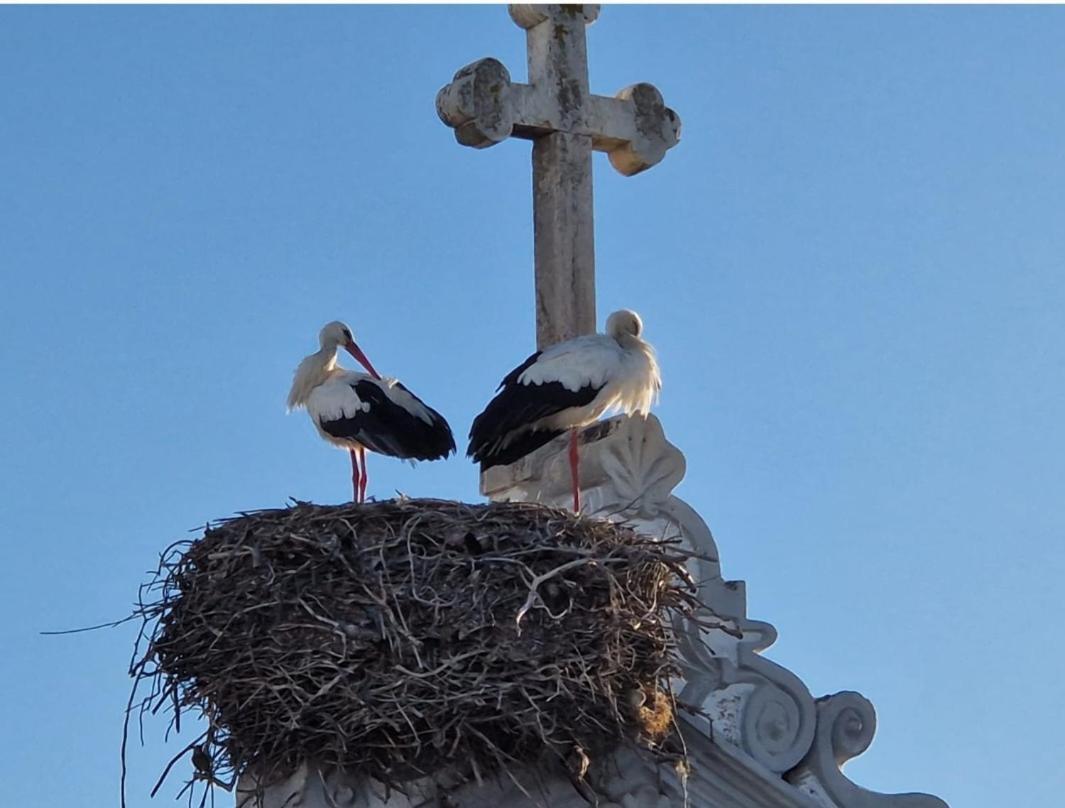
846	724
627	470
720	777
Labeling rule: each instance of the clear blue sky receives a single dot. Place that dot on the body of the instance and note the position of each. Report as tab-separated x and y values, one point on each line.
853	267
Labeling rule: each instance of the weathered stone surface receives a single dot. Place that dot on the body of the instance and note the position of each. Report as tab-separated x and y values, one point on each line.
529	16
564	237
477	104
656	130
557	111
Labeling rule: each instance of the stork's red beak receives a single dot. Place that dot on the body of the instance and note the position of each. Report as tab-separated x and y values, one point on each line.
356	351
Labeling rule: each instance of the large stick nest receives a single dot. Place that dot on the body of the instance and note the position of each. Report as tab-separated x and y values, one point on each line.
409	637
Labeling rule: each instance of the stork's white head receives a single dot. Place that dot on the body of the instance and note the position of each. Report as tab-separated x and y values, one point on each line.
337	335
624	323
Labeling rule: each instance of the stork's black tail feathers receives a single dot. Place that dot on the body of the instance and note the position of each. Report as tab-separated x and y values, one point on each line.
511	426
388	429
524	443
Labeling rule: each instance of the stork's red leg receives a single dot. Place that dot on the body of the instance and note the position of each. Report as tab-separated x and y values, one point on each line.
356	476
365	475
574	466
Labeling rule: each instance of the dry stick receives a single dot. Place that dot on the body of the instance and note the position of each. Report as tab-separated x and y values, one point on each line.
174	760
539	579
125	738
112	624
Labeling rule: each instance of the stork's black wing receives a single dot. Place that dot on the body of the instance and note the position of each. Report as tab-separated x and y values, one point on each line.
389	423
507	429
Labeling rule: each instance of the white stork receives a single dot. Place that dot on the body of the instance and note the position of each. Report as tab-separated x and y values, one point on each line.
565	387
358	412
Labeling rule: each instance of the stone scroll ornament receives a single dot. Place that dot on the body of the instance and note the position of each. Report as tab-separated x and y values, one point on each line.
846	724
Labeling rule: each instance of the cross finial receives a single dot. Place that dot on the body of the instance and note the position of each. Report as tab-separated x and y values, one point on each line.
566	122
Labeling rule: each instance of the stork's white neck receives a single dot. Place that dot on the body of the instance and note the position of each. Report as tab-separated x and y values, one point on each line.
641	390
635	344
312	371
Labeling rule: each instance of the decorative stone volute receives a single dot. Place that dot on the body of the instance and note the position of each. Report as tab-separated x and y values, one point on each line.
846	724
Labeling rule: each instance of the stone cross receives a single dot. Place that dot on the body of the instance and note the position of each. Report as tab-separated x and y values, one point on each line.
565	122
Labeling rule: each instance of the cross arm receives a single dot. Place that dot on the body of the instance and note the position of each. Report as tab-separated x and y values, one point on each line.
635	128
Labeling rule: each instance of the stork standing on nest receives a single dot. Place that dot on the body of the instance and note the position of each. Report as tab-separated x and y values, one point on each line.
357	412
565	387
